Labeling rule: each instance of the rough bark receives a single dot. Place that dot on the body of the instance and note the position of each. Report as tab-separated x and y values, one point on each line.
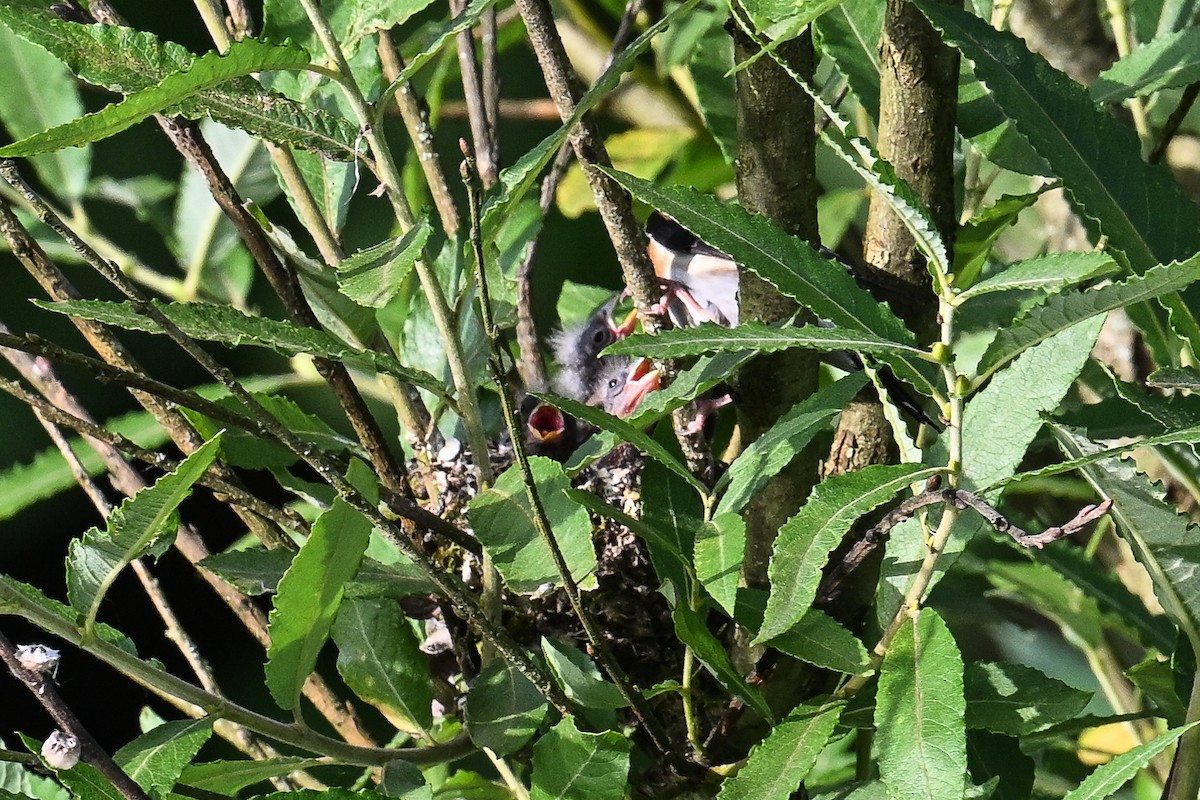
918	98
776	178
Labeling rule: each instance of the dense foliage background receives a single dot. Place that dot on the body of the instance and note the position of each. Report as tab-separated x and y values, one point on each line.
813	593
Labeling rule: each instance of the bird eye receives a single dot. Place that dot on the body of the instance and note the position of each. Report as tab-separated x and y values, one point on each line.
600	336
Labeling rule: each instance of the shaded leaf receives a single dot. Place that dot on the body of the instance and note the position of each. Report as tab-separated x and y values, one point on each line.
1161	539
791	433
1164	62
229	777
504	710
693	632
380	658
39	93
806	539
1017	700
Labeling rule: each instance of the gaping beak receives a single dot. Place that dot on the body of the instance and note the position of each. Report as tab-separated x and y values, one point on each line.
546	424
642	379
627	325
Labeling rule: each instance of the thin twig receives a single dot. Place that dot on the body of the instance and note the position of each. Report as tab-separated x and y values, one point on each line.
473	94
102	438
415	114
45	693
531	365
1174	121
962	500
330	471
166	685
188	541
616	210
600	648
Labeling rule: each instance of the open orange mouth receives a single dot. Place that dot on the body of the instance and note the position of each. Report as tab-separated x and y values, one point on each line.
546	423
642	379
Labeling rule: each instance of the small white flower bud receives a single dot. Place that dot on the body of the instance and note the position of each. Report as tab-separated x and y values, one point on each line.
38	658
61	750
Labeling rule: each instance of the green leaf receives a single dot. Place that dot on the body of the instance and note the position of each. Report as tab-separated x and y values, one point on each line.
1097	581
229	326
806	540
777	765
1017	700
1001	421
711	338
1045	592
720	546
974	240
991	755
504	710
693	632
243	58
372	277
85	781
29	602
40	93
1061	311
380	658
464	20
126	61
352	21
1156	680
1188	435
1047	273
1162	540
919	713
849	36
247	450
1164	62
579	676
1139	207
786	262
156	759
331	793
230	777
311	592
1175	378
571	765
820	640
1112	776
775	449
503	520
133	529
